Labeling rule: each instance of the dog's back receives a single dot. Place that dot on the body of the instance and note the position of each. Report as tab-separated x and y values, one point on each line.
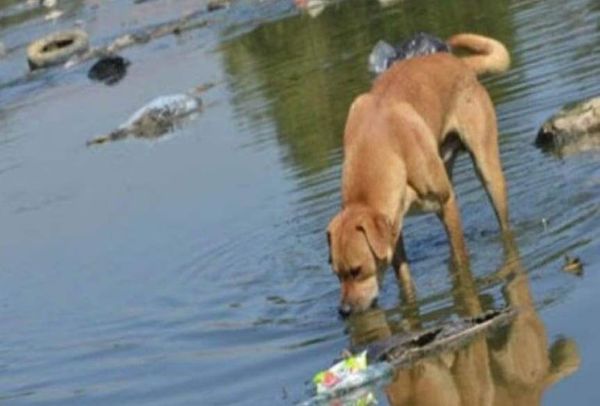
429	83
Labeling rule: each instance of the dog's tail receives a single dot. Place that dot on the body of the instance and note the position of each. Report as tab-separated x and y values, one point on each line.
490	56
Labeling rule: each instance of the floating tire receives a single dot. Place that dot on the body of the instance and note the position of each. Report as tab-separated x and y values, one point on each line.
56	48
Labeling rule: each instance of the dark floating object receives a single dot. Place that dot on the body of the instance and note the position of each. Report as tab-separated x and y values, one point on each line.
573	265
215	5
56	48
421	44
109	70
403	350
575	128
384	55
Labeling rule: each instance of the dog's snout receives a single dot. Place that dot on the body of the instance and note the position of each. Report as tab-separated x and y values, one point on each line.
344	310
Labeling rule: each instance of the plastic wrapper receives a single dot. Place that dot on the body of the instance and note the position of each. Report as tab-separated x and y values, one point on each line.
348	382
381	57
177	105
384	55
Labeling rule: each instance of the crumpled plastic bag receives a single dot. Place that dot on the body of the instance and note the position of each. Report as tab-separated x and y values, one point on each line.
384	55
381	57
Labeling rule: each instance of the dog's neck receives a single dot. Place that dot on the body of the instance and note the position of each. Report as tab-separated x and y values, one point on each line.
379	187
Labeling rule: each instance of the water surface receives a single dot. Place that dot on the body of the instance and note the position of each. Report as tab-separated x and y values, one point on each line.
193	269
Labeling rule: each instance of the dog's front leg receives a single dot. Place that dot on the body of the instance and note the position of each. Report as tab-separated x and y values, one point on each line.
450	216
400	264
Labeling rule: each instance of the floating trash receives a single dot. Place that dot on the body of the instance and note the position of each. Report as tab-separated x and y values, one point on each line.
49	3
56	48
384	55
192	21
157	118
575	128
351	381
573	265
53	15
109	70
345	379
381	57
214	5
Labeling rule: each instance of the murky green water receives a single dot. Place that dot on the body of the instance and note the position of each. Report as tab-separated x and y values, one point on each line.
193	269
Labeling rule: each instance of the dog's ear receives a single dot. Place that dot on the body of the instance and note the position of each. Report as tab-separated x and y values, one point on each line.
378	231
331	229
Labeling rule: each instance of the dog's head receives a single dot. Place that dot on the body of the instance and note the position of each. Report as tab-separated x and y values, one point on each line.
360	245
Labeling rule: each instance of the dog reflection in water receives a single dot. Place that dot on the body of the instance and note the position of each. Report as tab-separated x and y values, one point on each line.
513	366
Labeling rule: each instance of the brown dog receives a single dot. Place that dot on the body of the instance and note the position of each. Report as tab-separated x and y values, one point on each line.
400	143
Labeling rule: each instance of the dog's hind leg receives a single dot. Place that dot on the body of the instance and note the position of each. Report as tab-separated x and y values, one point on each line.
479	132
434	186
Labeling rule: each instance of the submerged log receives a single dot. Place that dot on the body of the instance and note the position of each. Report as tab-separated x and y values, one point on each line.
575	128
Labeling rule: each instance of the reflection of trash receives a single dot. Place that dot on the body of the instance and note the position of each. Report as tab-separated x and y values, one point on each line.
56	48
384	55
573	265
160	116
109	70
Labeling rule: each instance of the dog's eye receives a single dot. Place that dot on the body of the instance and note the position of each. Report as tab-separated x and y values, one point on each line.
354	273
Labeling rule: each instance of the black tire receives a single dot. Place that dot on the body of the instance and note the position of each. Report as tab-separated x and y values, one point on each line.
56	48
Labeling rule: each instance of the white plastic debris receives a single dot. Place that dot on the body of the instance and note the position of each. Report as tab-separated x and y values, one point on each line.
158	117
381	57
177	105
348	381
